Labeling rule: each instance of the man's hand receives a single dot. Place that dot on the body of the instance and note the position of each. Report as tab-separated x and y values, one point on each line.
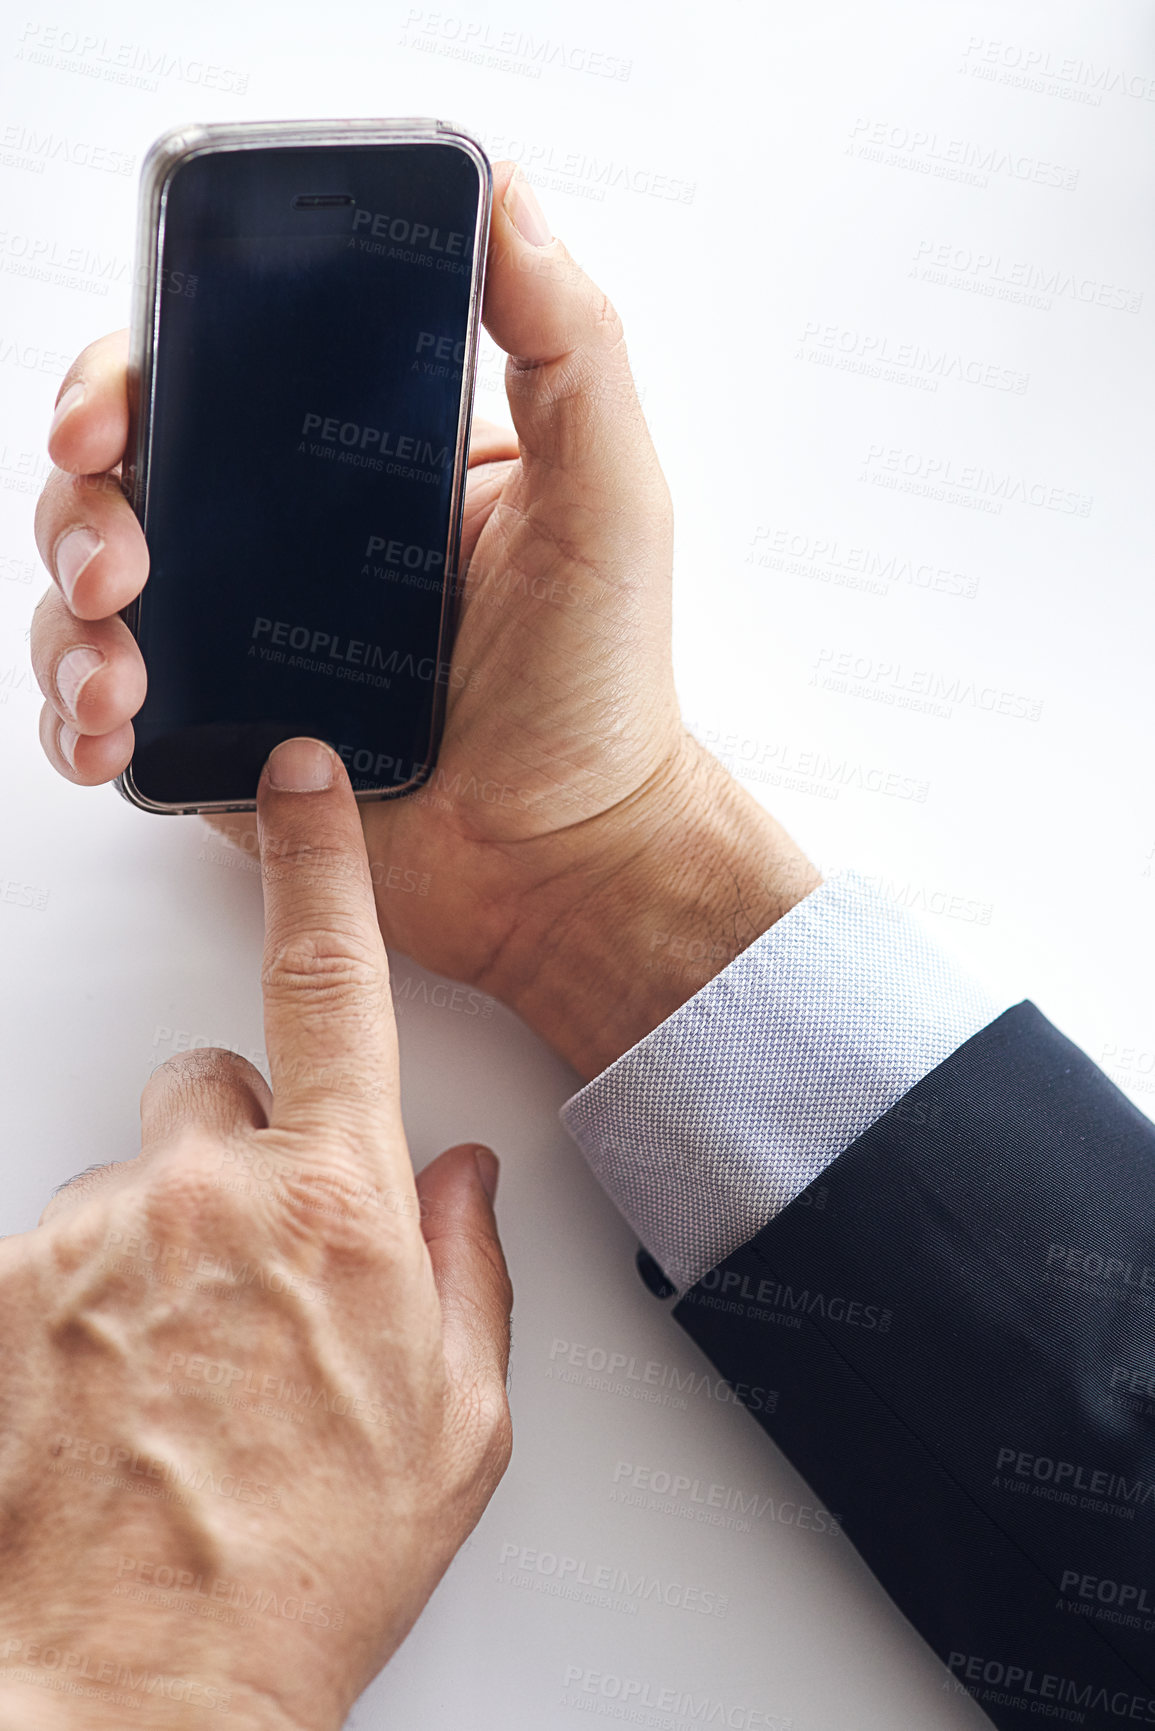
252	1382
587	862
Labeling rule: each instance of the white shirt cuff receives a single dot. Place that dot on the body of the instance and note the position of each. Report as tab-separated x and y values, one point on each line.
735	1104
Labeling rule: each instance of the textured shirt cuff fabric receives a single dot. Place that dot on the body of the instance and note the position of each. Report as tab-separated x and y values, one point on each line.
708	1127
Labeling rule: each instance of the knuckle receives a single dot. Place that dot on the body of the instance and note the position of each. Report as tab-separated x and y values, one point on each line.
43	670
48	504
84	1236
78	370
333	1205
82	1186
184	1198
189	1073
50	742
326	963
490	1426
501	1442
79	492
184	1229
607	323
493	1272
47	730
43	622
306	862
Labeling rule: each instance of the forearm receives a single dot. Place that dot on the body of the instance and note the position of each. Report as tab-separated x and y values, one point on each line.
687	876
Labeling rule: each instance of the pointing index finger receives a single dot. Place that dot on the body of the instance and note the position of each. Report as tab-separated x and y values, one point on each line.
329	1028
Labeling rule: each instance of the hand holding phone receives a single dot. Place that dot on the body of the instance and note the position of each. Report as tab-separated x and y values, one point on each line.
569	821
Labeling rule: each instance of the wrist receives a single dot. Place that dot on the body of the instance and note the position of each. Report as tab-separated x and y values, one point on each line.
656	898
75	1683
57	1687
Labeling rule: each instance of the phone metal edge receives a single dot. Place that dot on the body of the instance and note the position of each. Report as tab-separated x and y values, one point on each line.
168	152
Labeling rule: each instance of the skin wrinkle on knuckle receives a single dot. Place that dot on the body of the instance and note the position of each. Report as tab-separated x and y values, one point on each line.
199	1247
555	384
182	1199
595	324
319	1199
43	672
480	1248
178	1090
45	516
205	1064
524	373
586	411
325	963
80	1236
608	324
79	715
484	1427
339	1203
79	487
483	1308
329	1096
292	854
487	1294
335	1114
55	483
501	1442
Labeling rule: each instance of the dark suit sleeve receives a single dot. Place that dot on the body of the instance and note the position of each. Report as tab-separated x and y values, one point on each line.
959	1321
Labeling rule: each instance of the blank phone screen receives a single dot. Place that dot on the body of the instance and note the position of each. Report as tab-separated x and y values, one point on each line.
313	311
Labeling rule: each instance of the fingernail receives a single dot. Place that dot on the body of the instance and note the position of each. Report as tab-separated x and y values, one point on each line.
73	671
300	766
525	213
487	1169
66	739
72	396
74	551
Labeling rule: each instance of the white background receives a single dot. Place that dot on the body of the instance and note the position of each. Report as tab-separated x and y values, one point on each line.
769	195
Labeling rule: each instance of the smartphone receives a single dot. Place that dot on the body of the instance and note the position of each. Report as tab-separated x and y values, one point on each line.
303	347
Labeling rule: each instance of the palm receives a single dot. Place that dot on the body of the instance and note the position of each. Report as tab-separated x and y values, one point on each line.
560	710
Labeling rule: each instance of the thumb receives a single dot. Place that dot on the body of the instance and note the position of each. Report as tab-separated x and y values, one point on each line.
456	1195
570	389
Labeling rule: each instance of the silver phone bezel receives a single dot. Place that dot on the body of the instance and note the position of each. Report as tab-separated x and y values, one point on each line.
172	150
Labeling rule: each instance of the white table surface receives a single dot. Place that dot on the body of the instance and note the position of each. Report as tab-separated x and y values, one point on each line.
887	273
